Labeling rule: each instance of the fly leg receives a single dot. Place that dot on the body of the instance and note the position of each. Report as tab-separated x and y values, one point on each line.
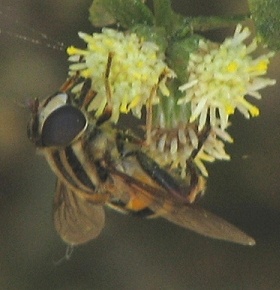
86	95
149	108
197	182
69	83
106	115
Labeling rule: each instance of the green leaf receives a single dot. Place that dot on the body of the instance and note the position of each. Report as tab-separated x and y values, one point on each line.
127	13
178	55
163	12
205	23
99	14
166	17
266	15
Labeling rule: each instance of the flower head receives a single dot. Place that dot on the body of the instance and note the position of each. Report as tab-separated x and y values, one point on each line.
213	149
221	75
172	148
136	68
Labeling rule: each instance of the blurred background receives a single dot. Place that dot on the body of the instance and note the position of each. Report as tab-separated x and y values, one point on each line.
130	253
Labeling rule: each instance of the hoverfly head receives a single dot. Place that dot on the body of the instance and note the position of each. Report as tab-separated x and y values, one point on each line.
56	121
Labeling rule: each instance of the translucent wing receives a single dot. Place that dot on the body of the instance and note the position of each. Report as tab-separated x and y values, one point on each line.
76	220
188	216
206	223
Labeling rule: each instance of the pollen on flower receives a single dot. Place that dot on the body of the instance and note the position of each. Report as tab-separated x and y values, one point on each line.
137	66
232	67
220	76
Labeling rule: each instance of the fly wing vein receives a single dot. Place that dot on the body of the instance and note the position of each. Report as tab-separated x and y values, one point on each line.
77	220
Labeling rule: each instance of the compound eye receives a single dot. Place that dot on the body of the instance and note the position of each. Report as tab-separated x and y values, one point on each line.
62	126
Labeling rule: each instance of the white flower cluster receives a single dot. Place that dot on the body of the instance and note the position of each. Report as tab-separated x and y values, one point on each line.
220	76
137	66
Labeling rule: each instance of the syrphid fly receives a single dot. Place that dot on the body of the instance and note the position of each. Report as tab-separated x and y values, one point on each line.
97	164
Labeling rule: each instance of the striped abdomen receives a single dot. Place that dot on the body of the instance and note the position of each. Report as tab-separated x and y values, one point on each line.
78	165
